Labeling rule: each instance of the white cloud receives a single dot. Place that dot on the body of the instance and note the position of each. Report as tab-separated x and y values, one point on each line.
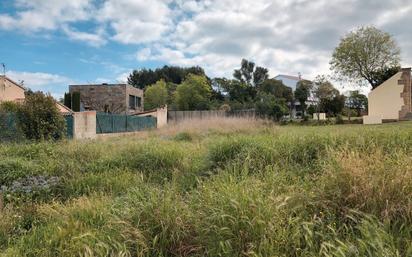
93	39
136	21
46	82
284	36
35	15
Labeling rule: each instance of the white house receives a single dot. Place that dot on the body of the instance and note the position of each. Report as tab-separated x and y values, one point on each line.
292	81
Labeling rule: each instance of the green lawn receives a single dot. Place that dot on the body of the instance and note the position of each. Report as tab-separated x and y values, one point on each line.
234	190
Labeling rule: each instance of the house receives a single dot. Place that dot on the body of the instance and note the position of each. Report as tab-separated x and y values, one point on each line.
391	100
14	92
111	98
10	90
292	82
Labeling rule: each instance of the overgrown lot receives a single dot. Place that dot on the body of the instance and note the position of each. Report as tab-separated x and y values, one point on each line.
217	188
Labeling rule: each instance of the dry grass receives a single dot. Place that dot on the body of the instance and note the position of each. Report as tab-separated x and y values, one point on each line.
212	125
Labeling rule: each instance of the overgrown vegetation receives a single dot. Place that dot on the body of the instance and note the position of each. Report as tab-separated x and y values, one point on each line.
239	188
37	118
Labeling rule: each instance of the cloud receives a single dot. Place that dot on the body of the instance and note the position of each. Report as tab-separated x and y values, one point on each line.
35	15
94	39
40	81
137	21
284	36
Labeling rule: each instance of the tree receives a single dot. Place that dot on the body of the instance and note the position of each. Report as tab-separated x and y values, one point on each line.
302	93
250	75
155	95
236	90
365	54
193	94
326	94
40	119
334	105
357	101
170	74
268	105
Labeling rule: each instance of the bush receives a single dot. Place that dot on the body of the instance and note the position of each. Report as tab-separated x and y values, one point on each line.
40	119
339	119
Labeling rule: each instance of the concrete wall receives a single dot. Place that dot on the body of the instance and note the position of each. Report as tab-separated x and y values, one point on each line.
9	91
84	125
385	101
160	114
322	116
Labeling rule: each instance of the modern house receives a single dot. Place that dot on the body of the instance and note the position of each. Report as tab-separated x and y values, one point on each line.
391	100
14	92
110	98
292	82
10	90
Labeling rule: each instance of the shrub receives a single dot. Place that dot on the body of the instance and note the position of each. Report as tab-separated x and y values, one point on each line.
9	129
40	119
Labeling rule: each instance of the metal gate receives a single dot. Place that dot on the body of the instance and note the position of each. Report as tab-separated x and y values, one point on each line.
118	123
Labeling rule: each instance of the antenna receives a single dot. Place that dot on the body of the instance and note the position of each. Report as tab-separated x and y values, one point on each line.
4	69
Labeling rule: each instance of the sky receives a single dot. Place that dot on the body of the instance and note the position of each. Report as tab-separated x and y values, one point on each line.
50	44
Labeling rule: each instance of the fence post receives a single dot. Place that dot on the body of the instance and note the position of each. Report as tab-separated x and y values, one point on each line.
111	115
126	124
1	201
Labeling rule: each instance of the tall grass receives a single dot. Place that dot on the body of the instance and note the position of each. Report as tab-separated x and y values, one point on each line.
238	188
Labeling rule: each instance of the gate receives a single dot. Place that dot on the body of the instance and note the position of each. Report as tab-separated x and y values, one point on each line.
118	123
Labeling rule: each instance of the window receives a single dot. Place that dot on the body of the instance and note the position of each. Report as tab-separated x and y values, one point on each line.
132	102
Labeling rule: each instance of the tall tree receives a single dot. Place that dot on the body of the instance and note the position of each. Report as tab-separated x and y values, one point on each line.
277	89
155	95
357	101
170	74
364	54
327	96
193	94
251	75
302	93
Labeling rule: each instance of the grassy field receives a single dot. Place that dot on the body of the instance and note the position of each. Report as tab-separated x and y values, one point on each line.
216	188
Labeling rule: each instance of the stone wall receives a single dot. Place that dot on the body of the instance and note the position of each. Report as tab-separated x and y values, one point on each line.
406	94
107	97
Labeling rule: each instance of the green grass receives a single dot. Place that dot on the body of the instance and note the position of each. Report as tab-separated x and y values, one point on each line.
270	191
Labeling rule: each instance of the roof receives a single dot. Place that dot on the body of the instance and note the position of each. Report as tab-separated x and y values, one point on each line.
64	107
12	81
103	84
288	77
291	77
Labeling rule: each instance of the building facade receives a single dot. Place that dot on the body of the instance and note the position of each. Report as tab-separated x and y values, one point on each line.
110	98
392	100
10	90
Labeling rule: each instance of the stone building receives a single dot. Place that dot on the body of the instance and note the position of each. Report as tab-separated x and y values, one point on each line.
111	98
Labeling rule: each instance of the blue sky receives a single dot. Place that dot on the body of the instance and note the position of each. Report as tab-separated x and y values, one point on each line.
53	43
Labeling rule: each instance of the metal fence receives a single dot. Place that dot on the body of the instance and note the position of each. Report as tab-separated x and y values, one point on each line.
69	125
9	130
117	123
177	116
